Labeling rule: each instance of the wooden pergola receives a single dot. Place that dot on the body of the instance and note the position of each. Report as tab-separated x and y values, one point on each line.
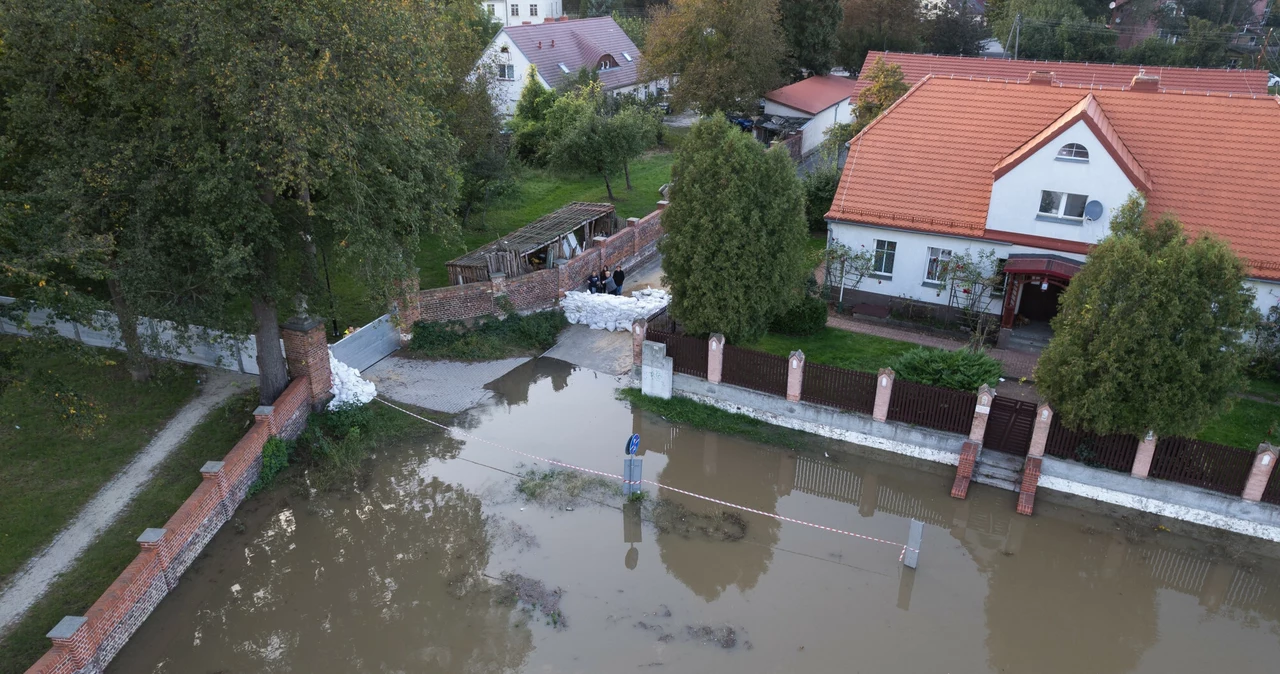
560	235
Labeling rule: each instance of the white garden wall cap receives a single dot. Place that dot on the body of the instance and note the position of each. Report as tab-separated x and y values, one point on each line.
263	410
66	628
151	535
212	467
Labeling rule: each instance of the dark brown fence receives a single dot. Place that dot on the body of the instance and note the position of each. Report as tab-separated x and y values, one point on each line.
1202	464
688	354
661	321
934	407
755	370
839	387
1009	426
1105	451
1272	493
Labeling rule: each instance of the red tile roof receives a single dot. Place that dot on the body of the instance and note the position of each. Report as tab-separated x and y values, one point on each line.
928	162
814	94
1097	75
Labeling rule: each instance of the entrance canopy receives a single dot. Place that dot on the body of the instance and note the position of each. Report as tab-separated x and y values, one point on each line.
1042	265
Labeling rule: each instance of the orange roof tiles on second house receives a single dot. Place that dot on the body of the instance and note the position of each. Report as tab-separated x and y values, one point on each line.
814	94
929	162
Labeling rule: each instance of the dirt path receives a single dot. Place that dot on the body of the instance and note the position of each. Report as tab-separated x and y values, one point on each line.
35	576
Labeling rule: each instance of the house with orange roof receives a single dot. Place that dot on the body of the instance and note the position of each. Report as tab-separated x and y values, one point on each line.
1033	170
821	101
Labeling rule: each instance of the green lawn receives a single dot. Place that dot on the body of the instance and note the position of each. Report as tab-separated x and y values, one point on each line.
1248	424
75	591
1265	388
47	473
840	348
537	193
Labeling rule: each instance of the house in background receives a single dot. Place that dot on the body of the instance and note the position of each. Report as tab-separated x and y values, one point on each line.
1033	171
916	67
559	49
815	103
513	13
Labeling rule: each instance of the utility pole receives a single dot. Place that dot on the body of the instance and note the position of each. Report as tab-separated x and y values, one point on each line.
1017	24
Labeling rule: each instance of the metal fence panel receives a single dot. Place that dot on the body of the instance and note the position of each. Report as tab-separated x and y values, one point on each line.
1202	464
688	354
938	408
755	370
838	387
1272	493
368	345
1115	452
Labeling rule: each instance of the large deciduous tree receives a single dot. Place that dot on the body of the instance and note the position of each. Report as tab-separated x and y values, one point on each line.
1149	335
809	27
954	29
720	55
580	137
734	249
887	25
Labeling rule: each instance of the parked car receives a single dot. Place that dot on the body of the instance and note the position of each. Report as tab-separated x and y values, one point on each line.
1273	80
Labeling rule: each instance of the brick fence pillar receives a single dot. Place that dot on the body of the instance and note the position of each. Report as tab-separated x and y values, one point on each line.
153	540
1146	451
265	414
884	390
981	412
71	634
404	305
1040	431
795	375
1263	464
212	471
715	358
638	330
307	353
633	223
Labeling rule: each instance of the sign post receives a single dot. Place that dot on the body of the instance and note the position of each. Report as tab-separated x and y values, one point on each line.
631	467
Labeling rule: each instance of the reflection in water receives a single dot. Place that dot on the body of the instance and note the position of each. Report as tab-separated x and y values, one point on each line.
392	577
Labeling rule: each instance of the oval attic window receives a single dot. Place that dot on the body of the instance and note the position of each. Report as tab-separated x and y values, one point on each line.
1074	151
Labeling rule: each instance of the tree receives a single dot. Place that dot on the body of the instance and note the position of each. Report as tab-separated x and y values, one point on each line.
809	27
1150	333
819	191
635	129
719	55
601	7
735	235
954	29
528	125
877	24
1053	29
634	26
581	137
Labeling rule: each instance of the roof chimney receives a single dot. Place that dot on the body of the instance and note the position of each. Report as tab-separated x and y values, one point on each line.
1040	77
1144	82
539	44
525	23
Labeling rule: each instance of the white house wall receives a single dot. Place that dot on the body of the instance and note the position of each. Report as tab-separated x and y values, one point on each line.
774	108
506	92
1266	295
815	130
500	10
1015	197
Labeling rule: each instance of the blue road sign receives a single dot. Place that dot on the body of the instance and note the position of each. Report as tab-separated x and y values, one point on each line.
633	445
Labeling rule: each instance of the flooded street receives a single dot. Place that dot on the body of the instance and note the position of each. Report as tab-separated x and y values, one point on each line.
439	563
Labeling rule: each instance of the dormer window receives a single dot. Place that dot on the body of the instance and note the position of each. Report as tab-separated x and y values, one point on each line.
606	62
1073	152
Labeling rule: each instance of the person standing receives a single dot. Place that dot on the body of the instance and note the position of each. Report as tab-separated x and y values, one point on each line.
610	286
618	276
593	284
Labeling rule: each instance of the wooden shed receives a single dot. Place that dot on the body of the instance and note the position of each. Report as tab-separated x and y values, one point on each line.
560	235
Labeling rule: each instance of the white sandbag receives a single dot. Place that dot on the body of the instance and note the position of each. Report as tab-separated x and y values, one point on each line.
349	388
613	312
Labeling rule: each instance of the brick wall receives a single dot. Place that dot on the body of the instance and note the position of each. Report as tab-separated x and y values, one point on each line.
456	302
118	613
574	273
535	291
619	247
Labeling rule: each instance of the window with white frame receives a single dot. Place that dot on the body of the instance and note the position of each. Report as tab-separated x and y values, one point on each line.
885	251
492	10
1074	151
506	71
936	271
1062	204
515	10
533	10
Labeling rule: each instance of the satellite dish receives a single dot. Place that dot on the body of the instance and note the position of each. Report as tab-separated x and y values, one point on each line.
1093	210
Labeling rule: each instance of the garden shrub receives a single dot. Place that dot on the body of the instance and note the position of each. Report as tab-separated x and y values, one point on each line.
806	317
960	370
819	191
488	338
276	454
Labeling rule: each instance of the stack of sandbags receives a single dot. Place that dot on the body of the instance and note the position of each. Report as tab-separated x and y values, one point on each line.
349	388
613	312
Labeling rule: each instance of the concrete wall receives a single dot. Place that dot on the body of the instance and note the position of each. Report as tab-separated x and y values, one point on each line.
86	644
1015	197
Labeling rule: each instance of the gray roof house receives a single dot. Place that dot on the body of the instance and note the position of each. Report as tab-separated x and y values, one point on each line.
558	49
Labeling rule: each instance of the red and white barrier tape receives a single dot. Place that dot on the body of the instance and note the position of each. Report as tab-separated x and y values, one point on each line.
727	504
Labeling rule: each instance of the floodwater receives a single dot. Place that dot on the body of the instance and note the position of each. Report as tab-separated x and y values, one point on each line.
403	573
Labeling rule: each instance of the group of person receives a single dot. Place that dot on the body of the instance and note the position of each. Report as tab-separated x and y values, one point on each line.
606	282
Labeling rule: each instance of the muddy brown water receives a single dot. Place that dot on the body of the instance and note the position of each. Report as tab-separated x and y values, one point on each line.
438	564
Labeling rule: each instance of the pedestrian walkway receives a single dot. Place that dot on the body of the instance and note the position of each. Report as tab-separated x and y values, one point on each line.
1017	364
